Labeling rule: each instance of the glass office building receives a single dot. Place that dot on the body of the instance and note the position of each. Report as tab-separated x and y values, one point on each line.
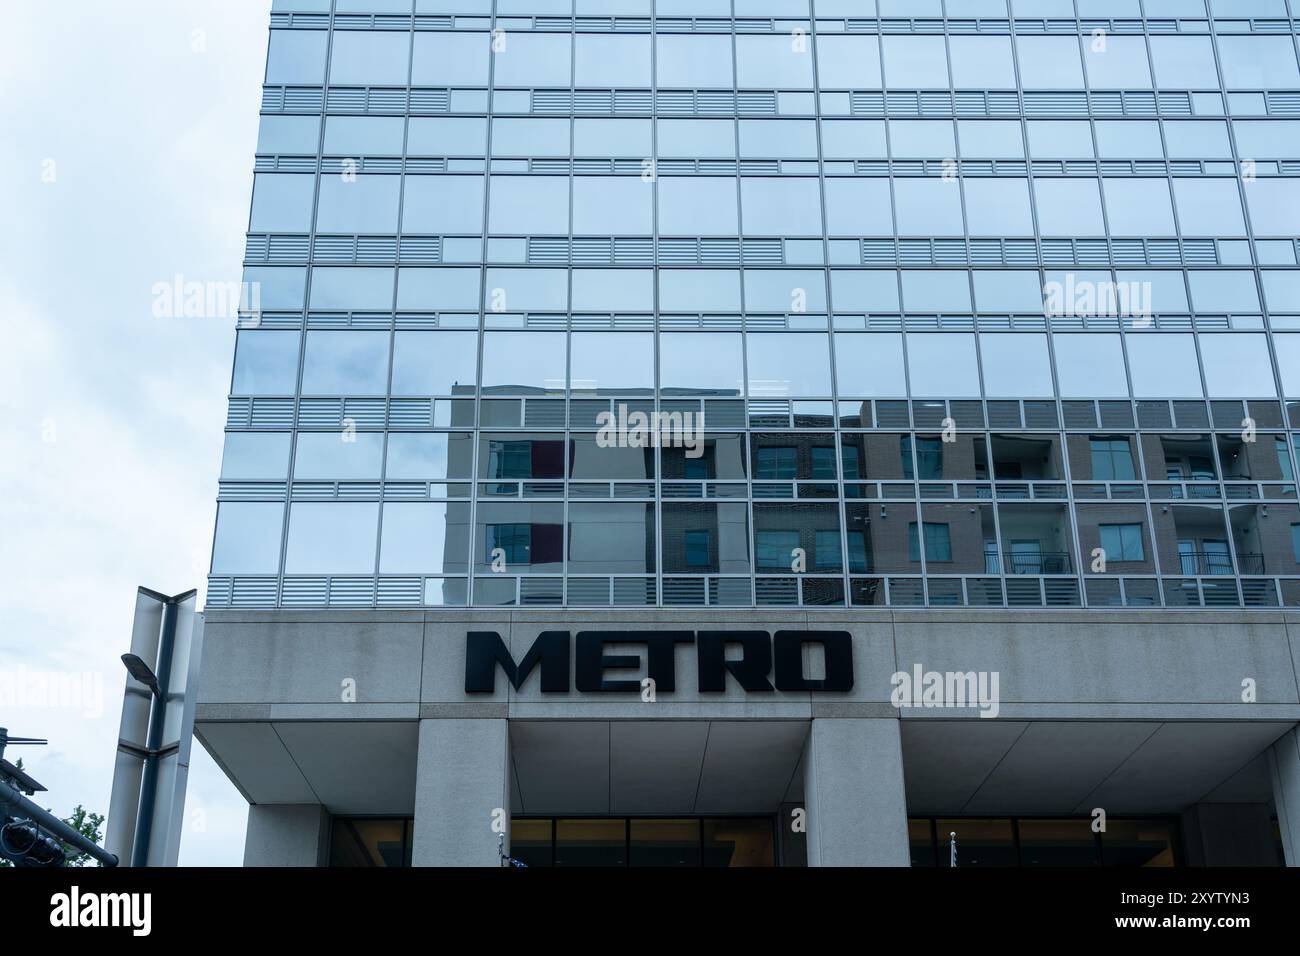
974	305
810	307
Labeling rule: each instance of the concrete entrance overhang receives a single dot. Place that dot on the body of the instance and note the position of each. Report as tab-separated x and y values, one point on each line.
968	766
1011	767
347	766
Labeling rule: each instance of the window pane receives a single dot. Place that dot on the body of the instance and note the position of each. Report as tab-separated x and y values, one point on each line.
915	63
427	456
701	206
1049	63
1164	366
450	59
523	362
781	207
346	363
870	365
266	363
928	207
355	136
282	202
369	58
694	61
296	57
788	363
331	538
605	61
858	207
443	204
438	290
435	363
613	362
529	205
700	362
981	63
774	62
943	365
250	456
611	538
848	62
247	539
338	456
532	59
612	205
360	204
1069	207
424	538
1209	207
1119	64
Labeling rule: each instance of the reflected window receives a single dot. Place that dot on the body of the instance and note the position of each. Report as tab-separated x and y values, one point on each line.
938	542
705	538
929	458
1112	459
723	458
780	529
611	538
774	463
530	535
1122	542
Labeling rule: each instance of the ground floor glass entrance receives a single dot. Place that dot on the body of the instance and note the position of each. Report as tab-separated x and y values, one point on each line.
649	842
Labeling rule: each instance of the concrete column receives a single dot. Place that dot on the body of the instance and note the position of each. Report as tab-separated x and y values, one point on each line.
1228	834
853	787
1284	765
461	778
286	835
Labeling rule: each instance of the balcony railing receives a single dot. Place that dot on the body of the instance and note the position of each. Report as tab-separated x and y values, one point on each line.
1206	564
1048	562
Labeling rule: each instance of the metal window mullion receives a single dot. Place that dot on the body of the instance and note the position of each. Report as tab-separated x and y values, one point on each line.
392	327
837	454
302	341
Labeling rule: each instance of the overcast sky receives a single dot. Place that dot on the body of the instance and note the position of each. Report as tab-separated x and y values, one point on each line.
126	154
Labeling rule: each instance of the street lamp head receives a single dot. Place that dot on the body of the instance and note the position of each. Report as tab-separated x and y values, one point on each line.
138	669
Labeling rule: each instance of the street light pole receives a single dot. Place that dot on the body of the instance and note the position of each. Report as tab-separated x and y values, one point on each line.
157	713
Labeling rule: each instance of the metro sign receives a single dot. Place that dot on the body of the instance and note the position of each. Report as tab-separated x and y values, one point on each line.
761	654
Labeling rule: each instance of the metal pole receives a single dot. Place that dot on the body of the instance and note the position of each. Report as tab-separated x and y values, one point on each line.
4	739
19	806
157	714
952	849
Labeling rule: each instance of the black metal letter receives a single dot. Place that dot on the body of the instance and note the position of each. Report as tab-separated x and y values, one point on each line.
837	648
750	670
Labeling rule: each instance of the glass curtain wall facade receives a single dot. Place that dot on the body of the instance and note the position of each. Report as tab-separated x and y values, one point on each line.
938	302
